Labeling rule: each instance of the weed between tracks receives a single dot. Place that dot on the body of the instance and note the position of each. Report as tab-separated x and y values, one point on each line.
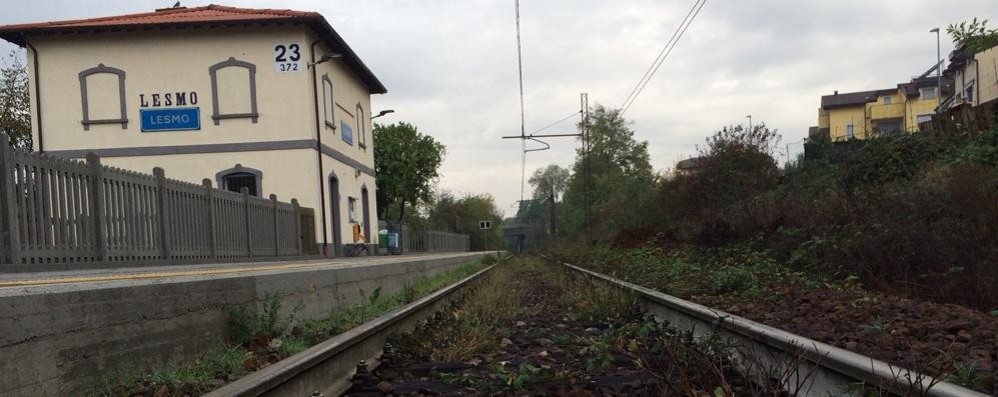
260	338
950	342
534	329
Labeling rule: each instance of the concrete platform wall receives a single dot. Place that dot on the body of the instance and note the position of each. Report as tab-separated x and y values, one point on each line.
55	340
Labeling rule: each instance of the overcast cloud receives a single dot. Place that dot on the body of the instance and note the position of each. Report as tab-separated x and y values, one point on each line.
450	65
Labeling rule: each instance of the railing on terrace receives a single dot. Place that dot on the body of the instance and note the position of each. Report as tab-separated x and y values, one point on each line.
63	211
892	111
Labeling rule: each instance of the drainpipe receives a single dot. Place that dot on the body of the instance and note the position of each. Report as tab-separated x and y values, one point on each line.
977	81
38	96
318	148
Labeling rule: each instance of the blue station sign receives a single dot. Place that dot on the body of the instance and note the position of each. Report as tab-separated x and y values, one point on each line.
170	119
346	132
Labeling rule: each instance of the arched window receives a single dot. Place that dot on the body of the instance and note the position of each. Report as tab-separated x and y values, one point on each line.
361	134
108	95
232	98
327	101
238	177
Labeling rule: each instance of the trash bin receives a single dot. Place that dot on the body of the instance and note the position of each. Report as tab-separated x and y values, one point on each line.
383	238
393	244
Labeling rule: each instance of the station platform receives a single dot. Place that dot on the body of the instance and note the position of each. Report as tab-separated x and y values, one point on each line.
67	327
12	281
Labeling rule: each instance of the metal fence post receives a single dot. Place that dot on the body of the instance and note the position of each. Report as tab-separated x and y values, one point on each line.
12	241
96	200
164	227
298	233
209	195
246	214
273	210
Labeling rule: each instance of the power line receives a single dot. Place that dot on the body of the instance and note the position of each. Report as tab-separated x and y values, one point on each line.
570	115
659	56
665	55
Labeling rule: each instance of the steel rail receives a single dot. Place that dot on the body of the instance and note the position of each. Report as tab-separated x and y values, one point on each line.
329	366
804	366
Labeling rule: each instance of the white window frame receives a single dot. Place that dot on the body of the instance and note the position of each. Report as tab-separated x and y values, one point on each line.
352	209
327	102
850	131
887	100
969	96
923	90
361	134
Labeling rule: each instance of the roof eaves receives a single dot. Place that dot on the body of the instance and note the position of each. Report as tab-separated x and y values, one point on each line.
326	32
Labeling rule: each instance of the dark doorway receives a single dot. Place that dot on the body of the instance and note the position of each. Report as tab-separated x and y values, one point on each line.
367	217
334	205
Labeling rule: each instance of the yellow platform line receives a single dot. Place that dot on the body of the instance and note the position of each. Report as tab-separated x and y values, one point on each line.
137	276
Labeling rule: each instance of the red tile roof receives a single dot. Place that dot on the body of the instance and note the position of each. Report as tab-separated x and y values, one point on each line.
210	14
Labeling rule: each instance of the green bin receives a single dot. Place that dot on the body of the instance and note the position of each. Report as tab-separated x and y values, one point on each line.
383	238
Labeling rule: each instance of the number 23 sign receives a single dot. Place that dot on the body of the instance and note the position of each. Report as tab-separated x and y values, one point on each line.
287	57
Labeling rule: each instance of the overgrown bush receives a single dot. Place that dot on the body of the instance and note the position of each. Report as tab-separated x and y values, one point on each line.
907	213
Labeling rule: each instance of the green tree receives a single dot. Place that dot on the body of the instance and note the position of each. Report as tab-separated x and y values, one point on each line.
546	182
462	214
733	169
549	181
406	163
620	177
15	105
973	36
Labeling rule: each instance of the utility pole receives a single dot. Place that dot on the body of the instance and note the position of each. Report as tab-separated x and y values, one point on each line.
551	206
939	70
584	131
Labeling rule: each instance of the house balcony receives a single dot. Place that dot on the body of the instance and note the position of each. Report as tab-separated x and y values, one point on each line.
892	111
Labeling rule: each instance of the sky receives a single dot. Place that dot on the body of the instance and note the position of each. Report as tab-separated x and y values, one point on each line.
450	66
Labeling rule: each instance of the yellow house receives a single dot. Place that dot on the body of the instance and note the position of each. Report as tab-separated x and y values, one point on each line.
857	115
271	100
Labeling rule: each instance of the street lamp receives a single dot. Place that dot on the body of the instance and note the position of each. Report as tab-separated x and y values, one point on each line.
326	58
749	117
382	113
939	70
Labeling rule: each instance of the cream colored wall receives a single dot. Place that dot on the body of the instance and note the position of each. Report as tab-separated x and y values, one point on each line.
350	184
285	105
286	173
838	118
170	61
987	71
348	91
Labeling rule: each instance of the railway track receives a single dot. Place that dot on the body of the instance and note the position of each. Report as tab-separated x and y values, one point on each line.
804	367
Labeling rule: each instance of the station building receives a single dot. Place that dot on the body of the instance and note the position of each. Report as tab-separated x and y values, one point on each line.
271	100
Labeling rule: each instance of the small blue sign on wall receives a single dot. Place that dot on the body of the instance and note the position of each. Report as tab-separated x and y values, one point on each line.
346	132
170	119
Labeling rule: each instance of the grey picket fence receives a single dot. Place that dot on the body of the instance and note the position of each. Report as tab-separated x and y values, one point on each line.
434	241
57	210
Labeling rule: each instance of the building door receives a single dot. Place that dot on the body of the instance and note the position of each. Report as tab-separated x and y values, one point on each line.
334	206
366	217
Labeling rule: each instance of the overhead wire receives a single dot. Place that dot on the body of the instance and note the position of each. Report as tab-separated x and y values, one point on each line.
670	46
570	115
659	56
